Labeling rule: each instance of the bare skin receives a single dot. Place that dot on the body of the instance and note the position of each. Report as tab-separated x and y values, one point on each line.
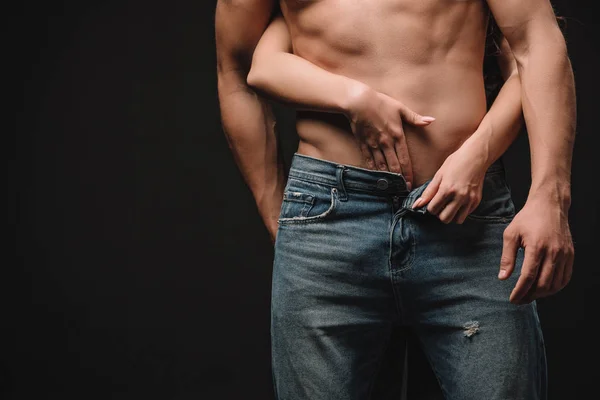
428	56
248	122
456	188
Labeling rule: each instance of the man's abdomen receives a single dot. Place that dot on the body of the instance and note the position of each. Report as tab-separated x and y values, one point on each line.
427	54
455	98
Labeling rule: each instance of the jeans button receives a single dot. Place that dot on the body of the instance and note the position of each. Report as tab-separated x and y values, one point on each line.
382	184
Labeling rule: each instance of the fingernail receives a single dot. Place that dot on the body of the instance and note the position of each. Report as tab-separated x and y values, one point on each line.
409	185
416	203
427	119
502	274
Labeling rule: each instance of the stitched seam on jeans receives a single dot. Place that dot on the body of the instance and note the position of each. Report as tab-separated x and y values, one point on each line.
397	298
413	247
391	242
491	218
300	220
298	200
409	263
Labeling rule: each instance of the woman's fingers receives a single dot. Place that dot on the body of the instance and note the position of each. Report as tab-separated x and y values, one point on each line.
462	213
393	163
446	204
413	118
404	159
449	211
367	155
379	158
439	202
429	191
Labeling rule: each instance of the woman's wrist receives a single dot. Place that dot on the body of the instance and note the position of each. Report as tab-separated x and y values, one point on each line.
358	97
477	149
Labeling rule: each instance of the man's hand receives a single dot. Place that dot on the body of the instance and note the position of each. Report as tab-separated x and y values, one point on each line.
542	228
456	188
376	121
549	107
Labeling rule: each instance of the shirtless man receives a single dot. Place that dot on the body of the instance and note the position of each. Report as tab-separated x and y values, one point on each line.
354	254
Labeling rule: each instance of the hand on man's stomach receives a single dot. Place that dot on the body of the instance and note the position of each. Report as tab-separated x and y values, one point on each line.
455	98
427	55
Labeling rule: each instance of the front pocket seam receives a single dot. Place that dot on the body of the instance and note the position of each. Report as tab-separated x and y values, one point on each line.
491	218
300	219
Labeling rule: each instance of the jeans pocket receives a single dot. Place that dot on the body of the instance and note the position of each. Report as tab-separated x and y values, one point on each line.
306	202
496	203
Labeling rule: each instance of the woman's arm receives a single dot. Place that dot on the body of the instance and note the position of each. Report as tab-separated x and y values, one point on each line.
456	189
295	81
503	121
375	118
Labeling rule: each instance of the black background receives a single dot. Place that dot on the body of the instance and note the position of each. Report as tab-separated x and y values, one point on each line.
142	266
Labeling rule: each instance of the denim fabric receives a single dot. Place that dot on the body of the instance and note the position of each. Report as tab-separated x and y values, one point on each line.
353	261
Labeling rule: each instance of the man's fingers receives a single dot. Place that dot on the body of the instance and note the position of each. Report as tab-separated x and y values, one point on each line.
559	273
568	267
510	247
543	284
413	118
404	159
430	191
539	290
529	297
529	273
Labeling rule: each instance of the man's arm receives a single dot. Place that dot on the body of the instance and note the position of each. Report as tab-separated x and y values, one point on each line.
247	119
548	99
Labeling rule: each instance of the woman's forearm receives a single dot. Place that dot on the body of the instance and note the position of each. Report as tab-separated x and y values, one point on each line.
301	84
501	125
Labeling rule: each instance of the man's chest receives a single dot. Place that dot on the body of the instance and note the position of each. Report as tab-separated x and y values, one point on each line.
379	10
299	4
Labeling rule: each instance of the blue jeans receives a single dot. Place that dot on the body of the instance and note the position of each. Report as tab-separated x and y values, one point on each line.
353	261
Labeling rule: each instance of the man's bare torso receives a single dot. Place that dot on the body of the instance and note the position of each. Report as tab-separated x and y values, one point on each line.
428	54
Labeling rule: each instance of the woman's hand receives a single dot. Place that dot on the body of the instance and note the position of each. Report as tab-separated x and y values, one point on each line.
377	123
456	188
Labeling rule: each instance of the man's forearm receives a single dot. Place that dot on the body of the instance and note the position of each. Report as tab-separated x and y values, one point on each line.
249	128
548	97
247	119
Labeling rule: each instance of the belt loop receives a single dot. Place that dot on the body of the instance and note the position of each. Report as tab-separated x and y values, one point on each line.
343	196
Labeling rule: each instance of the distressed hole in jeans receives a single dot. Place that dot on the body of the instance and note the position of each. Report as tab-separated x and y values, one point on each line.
471	328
